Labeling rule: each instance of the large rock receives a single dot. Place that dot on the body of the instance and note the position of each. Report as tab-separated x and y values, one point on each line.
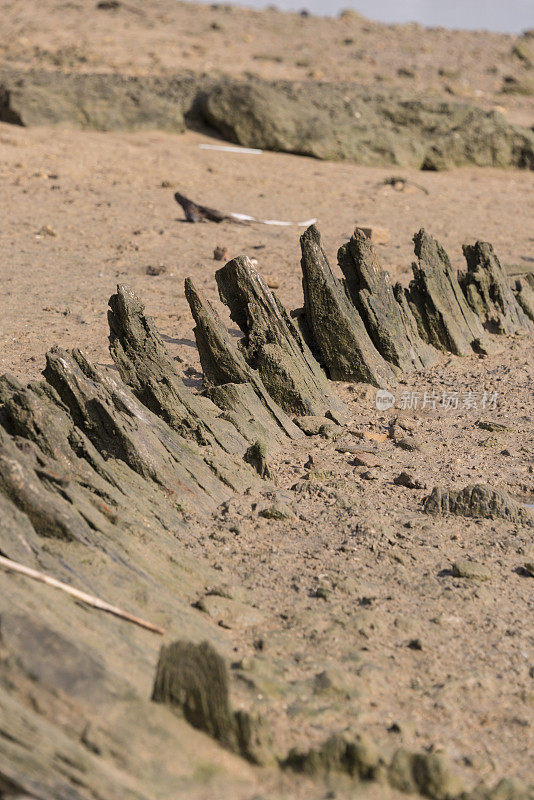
103	102
341	121
120	427
331	121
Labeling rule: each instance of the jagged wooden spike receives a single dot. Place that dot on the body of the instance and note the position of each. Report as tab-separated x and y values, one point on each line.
120	427
27	478
391	326
336	329
444	318
524	293
105	491
226	371
193	678
273	346
146	366
488	292
18	540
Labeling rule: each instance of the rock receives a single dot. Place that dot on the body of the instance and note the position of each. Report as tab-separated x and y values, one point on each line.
17	535
242	406
279	511
338	334
254	737
273	346
522	85
27	478
490	425
231	614
391	325
310	424
335	681
410	443
374	234
428	774
463	568
194	679
120	427
330	430
443	316
318	119
47	230
523	49
505	789
159	269
372	435
94	100
488	292
369	475
220	253
311	118
354	449
415	644
406	479
478	500
256	456
367	460
357	756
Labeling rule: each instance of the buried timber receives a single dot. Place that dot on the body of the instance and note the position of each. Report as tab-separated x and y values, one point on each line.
325	571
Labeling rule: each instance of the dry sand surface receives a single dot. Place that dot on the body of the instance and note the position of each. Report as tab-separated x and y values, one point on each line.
361	623
102	196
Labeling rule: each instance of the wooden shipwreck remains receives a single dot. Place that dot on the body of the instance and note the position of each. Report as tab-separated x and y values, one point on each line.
101	470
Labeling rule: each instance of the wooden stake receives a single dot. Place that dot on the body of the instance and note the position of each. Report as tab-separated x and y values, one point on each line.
91	600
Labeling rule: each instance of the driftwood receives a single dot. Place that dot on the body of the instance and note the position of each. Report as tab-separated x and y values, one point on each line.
197	213
89	599
337	331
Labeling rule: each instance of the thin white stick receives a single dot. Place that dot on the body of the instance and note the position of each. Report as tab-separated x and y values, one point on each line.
91	600
247	218
226	149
